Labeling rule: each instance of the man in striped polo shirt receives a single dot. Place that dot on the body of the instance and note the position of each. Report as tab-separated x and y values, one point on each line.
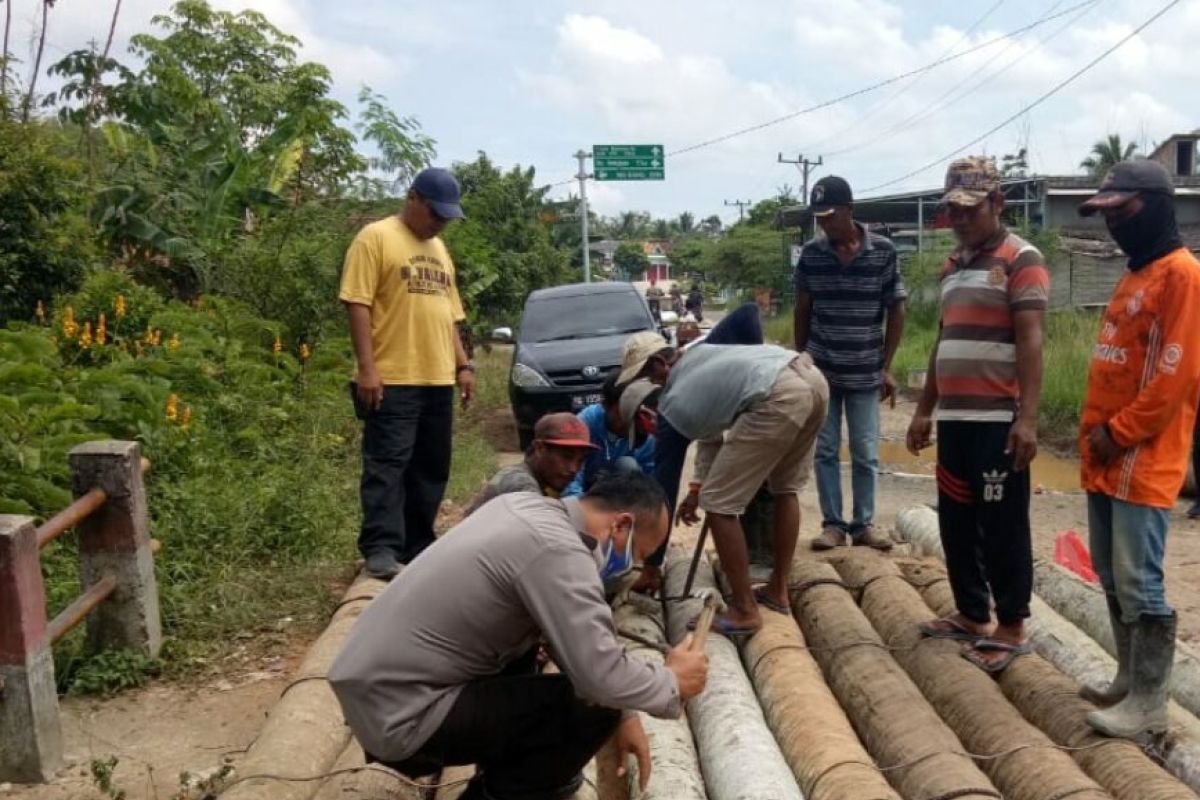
847	282
985	375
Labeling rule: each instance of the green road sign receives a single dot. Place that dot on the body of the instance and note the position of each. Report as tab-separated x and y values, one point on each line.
628	162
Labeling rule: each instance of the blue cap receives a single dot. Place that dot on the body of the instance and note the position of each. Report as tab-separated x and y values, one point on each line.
439	188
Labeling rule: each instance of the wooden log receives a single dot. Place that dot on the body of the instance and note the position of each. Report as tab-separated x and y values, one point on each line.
305	732
1021	760
739	758
1050	700
674	765
826	756
1080	658
921	756
354	779
1083	605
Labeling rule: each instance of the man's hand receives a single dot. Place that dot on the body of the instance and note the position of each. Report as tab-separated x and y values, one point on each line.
630	740
370	389
466	386
689	509
1102	446
690	668
920	433
887	388
1022	443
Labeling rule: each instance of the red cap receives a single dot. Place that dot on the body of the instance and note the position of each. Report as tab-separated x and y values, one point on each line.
563	430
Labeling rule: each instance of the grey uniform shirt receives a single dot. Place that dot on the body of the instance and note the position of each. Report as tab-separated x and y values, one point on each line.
515	478
713	383
476	599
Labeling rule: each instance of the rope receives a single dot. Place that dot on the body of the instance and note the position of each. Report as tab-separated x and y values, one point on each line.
810	790
804	586
347	601
300	680
642	640
347	771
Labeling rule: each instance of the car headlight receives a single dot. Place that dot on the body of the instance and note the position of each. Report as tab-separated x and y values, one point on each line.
527	377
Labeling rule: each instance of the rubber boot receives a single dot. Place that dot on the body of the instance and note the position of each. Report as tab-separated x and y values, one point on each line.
1122	634
1144	709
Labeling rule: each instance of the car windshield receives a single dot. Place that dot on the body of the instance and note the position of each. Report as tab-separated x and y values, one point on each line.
582	316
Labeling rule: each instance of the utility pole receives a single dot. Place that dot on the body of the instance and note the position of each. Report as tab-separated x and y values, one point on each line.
805	166
583	156
741	207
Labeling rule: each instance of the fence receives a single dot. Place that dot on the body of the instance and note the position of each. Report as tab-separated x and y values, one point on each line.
1079	279
119	600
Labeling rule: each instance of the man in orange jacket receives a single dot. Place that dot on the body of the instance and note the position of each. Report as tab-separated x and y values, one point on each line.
1135	434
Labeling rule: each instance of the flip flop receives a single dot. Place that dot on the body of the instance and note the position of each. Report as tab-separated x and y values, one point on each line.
723	626
763	599
1010	651
947	628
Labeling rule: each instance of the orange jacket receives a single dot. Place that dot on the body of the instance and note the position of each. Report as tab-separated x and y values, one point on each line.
1143	381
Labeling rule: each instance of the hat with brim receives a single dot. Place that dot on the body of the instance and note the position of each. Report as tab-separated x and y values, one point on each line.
639	348
563	430
632	399
824	211
439	188
964	197
1125	181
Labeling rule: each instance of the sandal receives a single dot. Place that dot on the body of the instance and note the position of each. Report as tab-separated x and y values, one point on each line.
1010	651
948	628
763	599
721	624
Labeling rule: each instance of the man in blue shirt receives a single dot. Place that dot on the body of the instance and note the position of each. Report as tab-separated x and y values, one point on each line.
621	431
847	283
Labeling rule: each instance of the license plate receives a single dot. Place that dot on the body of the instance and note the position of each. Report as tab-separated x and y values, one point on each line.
581	400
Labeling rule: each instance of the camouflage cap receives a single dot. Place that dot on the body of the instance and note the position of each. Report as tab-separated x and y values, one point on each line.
970	180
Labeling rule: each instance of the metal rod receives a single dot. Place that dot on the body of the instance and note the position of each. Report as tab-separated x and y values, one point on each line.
582	156
83	507
145	463
691	576
75	613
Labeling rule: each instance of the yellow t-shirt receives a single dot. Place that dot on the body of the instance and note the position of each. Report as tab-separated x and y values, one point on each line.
410	287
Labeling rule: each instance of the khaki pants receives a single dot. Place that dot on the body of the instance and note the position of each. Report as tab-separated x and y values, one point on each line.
772	441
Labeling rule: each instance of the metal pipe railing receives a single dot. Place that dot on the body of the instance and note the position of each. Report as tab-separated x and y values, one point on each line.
83	507
75	613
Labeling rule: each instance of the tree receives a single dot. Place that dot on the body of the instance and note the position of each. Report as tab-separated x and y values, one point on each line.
661	229
631	259
689	255
686	222
1015	165
1106	153
37	59
711	225
749	257
403	149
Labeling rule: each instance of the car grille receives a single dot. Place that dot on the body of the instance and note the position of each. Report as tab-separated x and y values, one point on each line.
575	377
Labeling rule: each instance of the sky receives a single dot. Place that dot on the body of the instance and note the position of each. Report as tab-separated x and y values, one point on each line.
531	82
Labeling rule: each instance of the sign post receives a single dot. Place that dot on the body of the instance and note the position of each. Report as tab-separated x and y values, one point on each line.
628	162
583	156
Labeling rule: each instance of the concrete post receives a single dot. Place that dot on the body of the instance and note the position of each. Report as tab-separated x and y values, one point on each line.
116	540
30	736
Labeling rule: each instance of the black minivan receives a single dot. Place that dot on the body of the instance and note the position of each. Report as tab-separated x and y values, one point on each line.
569	340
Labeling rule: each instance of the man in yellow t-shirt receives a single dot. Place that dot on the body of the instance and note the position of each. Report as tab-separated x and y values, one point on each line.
399	289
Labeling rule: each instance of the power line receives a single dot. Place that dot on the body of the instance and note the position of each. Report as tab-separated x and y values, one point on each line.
1041	99
942	102
891	98
879	85
741	207
865	90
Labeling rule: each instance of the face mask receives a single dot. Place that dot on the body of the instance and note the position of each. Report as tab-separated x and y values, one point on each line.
617	564
1149	234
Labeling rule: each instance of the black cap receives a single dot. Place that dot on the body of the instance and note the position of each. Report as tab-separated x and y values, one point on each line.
440	189
1127	179
830	193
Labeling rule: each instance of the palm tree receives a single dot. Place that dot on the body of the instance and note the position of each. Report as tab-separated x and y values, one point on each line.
1107	152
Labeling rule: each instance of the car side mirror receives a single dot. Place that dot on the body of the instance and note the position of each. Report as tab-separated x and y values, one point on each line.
504	335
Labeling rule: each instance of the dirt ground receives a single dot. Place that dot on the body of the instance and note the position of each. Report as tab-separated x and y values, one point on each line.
164	730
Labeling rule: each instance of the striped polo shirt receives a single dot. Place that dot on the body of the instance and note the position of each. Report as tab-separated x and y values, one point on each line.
977	351
845	337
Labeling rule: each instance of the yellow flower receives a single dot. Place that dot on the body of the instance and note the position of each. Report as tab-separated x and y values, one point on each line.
173	343
68	324
186	419
101	331
172	407
119	306
41	313
153	337
277	348
304	352
85	338
137	346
